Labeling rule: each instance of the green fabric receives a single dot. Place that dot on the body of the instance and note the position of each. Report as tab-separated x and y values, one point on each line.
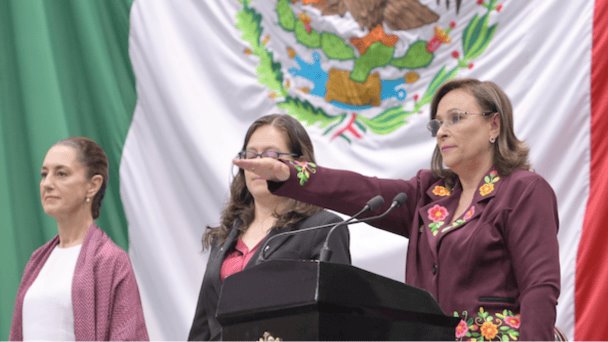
64	71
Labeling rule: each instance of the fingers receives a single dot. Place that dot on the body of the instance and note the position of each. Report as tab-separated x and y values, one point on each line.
269	169
258	166
281	172
246	164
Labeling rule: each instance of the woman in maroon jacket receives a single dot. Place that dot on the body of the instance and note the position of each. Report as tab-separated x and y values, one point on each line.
482	227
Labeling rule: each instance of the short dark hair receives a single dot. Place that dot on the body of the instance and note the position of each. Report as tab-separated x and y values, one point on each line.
510	153
94	159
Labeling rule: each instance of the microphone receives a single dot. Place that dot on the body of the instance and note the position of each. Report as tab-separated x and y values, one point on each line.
372	205
398	200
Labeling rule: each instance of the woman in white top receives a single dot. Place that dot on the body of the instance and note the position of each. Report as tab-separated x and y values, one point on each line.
79	285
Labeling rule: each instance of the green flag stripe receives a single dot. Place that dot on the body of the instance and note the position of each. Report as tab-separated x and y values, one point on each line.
64	71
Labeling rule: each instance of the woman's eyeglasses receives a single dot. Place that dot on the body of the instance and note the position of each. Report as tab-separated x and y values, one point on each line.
265	154
452	119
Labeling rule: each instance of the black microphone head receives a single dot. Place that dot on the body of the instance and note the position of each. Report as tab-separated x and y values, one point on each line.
375	203
400	198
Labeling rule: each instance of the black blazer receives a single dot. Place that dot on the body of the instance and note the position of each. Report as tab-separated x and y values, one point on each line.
303	246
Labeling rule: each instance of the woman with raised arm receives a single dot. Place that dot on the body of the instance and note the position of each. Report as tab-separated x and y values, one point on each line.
482	227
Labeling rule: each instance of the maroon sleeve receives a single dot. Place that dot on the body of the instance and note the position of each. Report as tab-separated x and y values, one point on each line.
348	192
531	237
127	316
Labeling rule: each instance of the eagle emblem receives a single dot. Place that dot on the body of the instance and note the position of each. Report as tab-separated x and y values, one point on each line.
355	67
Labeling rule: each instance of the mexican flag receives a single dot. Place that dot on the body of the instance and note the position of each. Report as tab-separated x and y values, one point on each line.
168	88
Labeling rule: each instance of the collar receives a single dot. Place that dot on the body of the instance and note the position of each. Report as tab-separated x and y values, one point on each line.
437	214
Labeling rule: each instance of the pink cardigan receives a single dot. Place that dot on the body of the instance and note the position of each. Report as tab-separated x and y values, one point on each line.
105	296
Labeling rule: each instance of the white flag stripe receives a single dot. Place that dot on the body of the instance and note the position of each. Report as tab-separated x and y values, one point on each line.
198	91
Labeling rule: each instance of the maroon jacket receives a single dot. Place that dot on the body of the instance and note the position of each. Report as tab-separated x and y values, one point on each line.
496	266
104	291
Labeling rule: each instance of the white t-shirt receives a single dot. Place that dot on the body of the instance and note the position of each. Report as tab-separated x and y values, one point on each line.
47	307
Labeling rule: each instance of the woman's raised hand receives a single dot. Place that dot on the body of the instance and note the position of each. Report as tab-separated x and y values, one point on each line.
267	168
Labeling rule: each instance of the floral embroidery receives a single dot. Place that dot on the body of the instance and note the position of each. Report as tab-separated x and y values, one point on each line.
503	326
304	170
489	180
462	329
454	224
469	213
437	214
439	190
513	321
488	330
461	221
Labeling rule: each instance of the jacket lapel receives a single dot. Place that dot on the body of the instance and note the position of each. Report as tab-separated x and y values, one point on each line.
272	246
486	190
438	213
218	254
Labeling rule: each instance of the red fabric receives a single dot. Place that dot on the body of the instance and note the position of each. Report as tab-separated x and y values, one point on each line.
592	268
237	260
105	296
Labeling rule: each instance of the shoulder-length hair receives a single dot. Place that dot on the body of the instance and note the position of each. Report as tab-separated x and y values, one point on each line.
510	153
241	208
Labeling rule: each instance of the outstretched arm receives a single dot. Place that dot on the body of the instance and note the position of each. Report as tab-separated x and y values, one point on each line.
339	190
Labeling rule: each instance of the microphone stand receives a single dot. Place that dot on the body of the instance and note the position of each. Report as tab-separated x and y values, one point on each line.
372	204
325	254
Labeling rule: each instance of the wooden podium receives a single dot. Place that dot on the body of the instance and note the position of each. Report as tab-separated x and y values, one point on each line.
312	300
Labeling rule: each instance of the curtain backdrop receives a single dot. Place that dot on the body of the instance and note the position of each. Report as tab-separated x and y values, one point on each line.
168	88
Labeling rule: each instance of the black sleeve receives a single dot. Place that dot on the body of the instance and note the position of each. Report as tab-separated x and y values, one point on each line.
339	243
199	331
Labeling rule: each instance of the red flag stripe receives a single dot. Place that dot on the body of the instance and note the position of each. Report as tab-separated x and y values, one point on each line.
592	259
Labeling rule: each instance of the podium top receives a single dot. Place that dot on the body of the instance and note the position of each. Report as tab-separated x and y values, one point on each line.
280	285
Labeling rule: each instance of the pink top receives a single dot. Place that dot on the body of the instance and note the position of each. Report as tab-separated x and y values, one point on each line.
236	260
105	296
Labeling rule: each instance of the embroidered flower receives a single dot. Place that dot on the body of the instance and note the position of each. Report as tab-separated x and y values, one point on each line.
488	330
462	329
486	189
439	190
502	326
304	170
469	213
513	321
489	180
437	213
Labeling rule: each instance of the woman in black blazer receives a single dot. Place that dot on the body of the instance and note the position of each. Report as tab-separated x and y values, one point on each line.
253	215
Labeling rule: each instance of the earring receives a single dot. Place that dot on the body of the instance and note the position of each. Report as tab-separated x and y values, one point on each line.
492	140
87	200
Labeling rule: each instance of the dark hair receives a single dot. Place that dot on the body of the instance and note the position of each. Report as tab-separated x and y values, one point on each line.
94	159
510	153
240	207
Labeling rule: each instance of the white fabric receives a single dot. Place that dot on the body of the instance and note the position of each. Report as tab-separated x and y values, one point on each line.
198	91
48	314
